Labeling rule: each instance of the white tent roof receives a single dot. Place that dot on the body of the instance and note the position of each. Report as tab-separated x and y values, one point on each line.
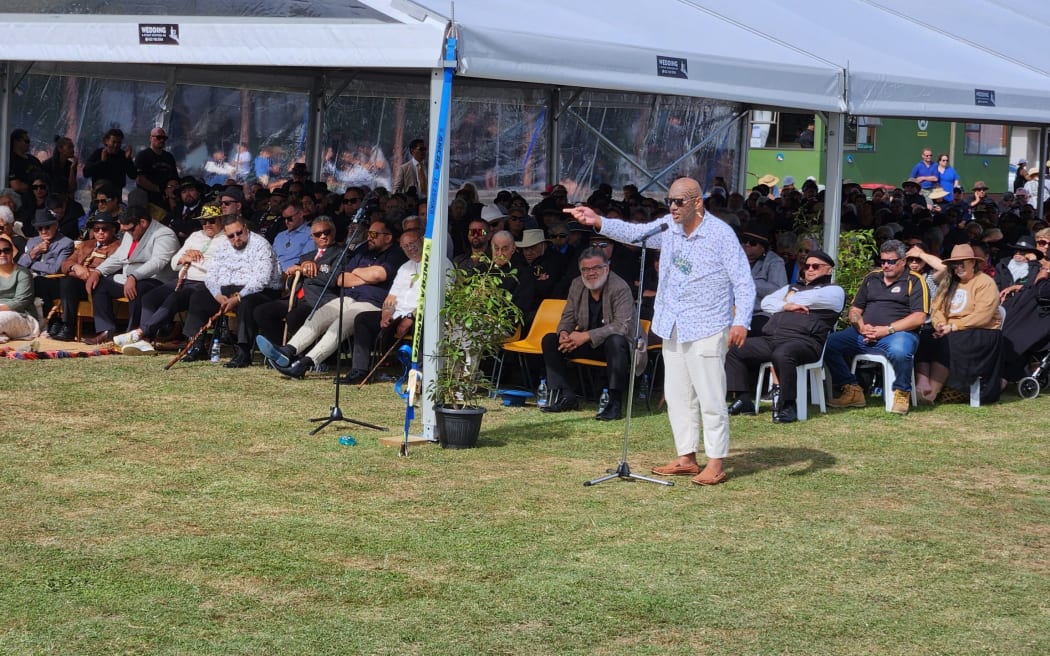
616	44
901	67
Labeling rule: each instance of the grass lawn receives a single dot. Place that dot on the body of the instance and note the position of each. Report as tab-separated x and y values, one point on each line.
188	512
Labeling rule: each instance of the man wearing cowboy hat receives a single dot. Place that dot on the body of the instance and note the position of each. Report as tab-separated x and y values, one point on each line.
595	323
184	223
101	243
546	264
886	314
802	315
1013	271
980	195
912	196
767	269
44	255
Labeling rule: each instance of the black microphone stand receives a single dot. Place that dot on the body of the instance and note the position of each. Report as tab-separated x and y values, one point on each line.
336	413
623	470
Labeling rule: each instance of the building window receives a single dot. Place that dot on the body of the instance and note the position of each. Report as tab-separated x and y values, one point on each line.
860	133
985	139
778	129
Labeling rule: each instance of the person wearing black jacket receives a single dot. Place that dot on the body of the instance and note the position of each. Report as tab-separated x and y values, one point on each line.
803	314
112	162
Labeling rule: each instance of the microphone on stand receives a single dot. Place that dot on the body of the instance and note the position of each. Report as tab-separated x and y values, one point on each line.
655	231
360	214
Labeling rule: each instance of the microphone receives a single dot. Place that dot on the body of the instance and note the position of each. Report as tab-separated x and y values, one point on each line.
360	214
655	231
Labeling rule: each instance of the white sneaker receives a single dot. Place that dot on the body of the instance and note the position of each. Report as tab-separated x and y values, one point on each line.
141	347
128	338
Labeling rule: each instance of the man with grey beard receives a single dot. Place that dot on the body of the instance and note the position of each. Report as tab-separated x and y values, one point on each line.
595	324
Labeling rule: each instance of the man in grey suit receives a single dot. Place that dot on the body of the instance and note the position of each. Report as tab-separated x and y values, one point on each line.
140	264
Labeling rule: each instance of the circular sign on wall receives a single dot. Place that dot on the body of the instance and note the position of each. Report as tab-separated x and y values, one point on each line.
780	157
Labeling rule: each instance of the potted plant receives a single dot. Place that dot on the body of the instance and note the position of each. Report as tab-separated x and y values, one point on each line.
477	317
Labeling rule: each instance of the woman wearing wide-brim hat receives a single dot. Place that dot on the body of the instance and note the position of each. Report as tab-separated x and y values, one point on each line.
966	329
1014	270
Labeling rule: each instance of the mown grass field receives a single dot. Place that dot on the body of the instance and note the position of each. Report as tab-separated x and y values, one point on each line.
188	512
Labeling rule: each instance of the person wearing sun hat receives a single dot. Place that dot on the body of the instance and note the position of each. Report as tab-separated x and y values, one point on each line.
767	269
966	330
1014	270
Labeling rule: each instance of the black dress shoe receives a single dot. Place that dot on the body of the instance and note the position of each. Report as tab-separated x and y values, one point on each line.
242	359
353	378
197	352
297	369
564	403
786	415
612	411
65	334
101	338
741	406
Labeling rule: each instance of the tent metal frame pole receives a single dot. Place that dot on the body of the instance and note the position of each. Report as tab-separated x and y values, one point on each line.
836	132
434	294
5	116
1043	171
743	149
554	136
605	140
318	112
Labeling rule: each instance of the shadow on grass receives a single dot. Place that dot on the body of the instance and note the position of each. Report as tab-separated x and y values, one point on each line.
753	461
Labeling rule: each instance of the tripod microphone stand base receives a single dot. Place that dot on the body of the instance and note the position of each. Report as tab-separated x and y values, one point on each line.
623	470
337	415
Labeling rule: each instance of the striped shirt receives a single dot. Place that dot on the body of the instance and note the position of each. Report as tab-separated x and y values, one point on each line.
702	276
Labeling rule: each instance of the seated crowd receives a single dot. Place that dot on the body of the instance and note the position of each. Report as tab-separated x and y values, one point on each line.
954	297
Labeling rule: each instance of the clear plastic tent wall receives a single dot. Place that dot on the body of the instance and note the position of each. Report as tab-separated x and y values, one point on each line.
498	134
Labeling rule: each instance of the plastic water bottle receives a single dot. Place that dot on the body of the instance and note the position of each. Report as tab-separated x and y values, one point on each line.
215	350
644	392
603	402
542	394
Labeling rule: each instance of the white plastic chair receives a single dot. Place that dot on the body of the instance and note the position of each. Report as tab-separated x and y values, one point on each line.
810	376
888	376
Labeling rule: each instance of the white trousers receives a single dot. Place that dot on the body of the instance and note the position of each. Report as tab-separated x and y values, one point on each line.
18	325
323	328
695	388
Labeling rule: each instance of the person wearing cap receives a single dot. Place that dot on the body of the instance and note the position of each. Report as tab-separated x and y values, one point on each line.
1025	329
101	242
140	264
595	324
184	222
703	307
767	269
111	163
966	330
925	172
191	263
294	241
789	185
1013	271
155	166
546	265
1021	175
16	297
1033	187
912	196
980	196
45	252
44	255
801	317
889	308
243	273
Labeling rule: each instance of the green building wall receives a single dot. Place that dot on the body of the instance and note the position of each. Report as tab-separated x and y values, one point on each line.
898	145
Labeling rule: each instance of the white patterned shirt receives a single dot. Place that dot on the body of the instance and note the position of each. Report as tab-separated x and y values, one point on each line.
702	276
254	266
